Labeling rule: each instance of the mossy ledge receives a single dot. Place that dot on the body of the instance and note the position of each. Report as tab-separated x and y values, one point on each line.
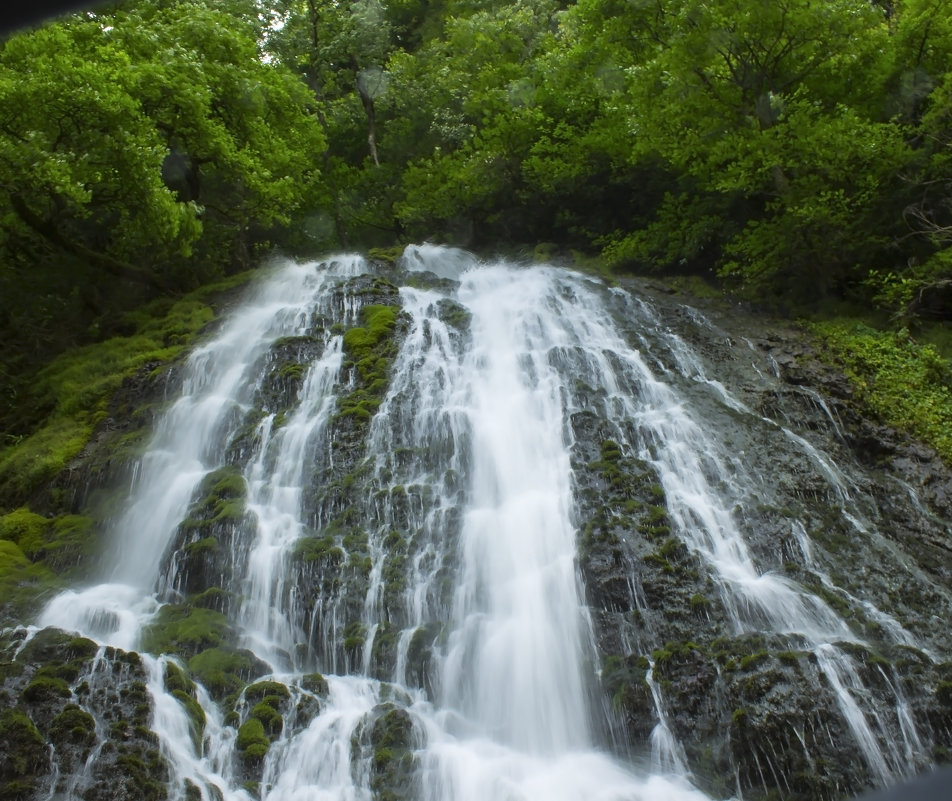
904	383
369	350
85	416
70	398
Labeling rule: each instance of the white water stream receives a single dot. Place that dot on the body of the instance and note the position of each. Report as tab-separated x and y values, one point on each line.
476	422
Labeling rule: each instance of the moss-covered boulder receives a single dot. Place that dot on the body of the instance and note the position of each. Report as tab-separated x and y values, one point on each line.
393	765
185	630
252	742
206	540
24	756
225	671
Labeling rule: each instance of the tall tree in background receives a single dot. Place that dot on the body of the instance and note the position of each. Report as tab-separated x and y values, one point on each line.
142	150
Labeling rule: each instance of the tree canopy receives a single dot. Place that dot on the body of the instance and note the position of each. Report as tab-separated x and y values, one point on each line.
799	147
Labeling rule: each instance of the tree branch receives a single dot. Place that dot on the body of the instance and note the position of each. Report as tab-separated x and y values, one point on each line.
113	266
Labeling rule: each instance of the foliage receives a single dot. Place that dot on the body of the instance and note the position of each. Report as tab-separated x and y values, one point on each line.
905	384
71	395
144	149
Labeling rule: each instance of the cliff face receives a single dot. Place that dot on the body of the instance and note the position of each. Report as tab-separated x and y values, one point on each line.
762	574
853	512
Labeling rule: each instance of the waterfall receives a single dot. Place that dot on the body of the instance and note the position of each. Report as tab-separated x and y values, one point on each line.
387	494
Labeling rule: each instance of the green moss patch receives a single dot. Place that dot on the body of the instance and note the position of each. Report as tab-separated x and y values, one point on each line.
224	671
60	542
73	725
389	255
70	396
46	688
267	690
319	549
905	384
23	583
25	755
221	499
53	645
183	690
252	741
369	350
186	630
314	683
391	738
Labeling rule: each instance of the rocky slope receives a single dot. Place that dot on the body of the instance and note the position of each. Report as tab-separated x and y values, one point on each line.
754	713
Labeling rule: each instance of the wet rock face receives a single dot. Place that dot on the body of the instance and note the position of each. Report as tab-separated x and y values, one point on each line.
753	712
865	531
64	700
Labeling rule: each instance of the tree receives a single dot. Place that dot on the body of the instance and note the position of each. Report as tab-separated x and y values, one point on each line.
142	150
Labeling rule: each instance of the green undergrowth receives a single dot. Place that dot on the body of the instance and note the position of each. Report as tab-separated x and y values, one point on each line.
902	382
70	396
25	755
37	554
22	582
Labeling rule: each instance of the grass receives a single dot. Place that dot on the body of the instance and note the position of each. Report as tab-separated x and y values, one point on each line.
70	396
904	383
22	582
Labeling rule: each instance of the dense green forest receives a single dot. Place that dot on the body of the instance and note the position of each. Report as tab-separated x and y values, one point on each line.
798	151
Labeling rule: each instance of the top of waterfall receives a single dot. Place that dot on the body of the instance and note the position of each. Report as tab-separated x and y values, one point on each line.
444	262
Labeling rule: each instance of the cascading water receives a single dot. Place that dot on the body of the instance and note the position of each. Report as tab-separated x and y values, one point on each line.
390	486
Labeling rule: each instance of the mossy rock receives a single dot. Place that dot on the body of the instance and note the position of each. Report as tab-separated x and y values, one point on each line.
55	645
324	550
268	698
355	635
261	690
384	652
224	671
270	717
183	689
369	349
175	679
211	598
392	728
73	725
943	694
252	742
420	654
389	256
314	683
185	630
220	498
25	754
46	689
143	772
393	763
454	315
